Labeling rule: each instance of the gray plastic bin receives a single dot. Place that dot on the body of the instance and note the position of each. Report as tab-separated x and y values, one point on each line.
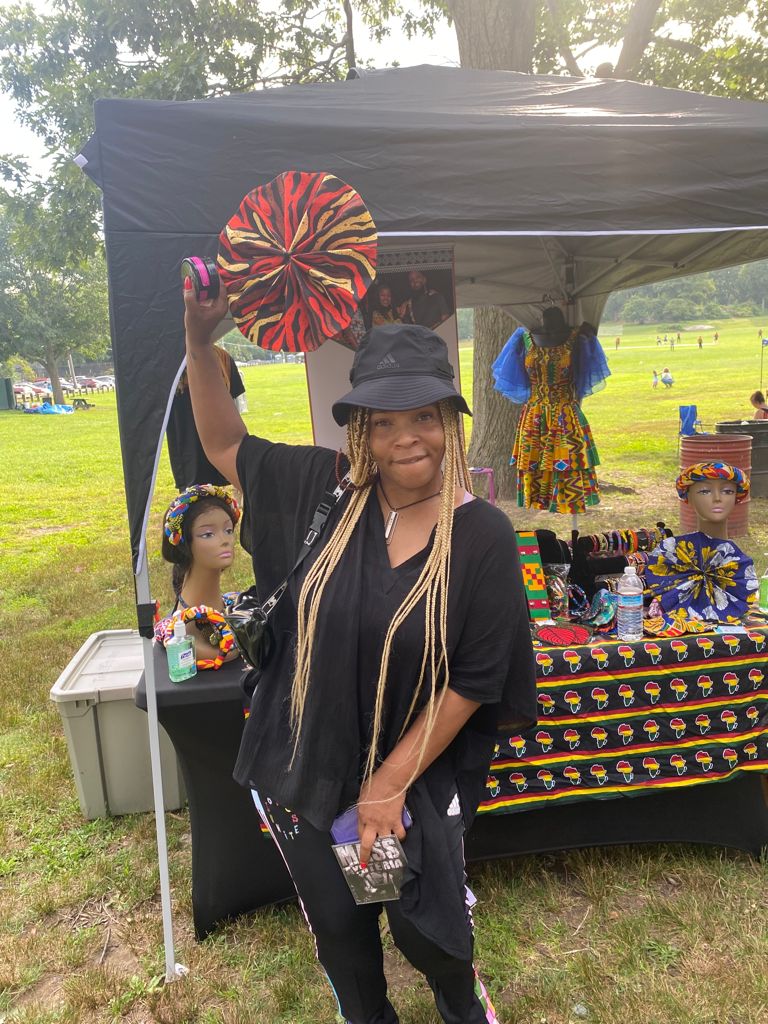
106	733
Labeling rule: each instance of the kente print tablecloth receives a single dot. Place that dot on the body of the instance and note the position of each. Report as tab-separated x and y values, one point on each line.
619	719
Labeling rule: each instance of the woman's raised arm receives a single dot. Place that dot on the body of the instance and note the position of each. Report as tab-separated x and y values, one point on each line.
218	422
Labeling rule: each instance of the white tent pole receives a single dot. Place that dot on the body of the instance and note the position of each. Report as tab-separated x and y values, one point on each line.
172	969
144	603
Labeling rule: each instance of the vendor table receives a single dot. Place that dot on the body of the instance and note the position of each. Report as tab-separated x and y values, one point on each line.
653	720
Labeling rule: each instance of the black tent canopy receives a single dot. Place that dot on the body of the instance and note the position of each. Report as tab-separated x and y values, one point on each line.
571	187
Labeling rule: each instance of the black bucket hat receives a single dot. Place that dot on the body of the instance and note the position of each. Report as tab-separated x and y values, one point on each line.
399	366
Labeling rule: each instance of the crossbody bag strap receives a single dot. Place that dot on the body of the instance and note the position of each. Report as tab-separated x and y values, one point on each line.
316	527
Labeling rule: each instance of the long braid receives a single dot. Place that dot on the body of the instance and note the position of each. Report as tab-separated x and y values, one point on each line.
431	586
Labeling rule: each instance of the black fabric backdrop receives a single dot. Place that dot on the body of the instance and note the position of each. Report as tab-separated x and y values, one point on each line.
573	187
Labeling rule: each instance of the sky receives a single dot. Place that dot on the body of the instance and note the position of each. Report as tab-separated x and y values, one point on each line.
17	140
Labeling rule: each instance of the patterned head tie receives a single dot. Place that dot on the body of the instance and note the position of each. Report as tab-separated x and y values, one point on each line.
173	524
712	471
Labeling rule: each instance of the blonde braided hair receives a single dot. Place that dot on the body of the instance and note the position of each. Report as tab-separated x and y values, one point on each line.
432	584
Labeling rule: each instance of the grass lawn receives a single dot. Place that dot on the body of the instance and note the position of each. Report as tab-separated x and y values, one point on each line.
648	935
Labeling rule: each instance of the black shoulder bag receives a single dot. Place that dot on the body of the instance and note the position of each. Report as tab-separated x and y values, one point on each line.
248	618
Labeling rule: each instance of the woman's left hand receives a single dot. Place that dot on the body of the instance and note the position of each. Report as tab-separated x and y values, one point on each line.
379	813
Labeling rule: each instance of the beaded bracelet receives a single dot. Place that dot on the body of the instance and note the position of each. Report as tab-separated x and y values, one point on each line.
202	615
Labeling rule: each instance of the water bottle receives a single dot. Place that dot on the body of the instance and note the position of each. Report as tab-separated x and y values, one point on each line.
762	597
629	613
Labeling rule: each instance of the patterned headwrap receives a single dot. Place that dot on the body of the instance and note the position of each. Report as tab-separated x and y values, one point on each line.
173	524
712	471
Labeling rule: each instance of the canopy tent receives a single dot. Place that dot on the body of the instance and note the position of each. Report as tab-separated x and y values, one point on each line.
544	185
572	187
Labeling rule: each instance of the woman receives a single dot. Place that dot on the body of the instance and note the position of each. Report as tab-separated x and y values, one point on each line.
199	541
757	398
666	378
404	643
382	311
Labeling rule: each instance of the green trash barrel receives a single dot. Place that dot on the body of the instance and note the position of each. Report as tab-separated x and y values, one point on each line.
758	430
7	397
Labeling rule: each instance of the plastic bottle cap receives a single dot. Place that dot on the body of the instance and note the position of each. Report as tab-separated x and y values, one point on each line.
630	570
179	630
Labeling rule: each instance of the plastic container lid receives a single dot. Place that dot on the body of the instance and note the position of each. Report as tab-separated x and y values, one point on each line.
179	630
630	570
107	667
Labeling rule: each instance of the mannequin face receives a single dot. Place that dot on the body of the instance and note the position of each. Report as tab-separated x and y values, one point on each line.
713	501
213	540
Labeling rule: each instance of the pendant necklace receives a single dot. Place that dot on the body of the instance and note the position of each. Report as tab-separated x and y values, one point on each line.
391	523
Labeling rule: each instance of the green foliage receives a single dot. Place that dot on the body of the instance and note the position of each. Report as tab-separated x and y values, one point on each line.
718	47
737	291
50	304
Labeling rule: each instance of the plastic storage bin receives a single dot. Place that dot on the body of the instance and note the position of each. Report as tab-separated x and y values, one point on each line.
106	733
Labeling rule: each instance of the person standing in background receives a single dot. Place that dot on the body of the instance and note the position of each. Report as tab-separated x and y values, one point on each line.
757	398
189	464
655	380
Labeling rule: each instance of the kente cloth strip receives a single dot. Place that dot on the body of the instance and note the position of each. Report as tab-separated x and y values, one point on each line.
296	260
708	578
620	719
554	452
532	571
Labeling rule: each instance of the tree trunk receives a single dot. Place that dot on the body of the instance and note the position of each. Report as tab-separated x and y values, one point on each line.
493	35
494	418
636	38
53	374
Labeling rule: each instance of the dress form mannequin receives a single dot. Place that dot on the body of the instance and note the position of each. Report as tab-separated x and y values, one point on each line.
549	370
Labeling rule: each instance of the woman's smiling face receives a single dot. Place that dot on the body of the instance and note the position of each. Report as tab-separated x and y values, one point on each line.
408	446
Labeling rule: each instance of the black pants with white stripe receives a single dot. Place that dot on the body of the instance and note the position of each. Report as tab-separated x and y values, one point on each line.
347	935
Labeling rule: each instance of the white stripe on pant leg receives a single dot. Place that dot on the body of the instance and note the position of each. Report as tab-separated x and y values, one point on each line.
265	819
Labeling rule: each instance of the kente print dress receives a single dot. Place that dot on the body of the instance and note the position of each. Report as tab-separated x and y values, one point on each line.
554	452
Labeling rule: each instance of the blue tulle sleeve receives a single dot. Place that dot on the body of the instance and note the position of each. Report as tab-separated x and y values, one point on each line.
590	367
509	373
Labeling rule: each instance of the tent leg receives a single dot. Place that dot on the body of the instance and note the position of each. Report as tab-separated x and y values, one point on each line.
172	969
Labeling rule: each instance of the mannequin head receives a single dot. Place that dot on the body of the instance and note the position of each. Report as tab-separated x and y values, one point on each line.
713	489
198	530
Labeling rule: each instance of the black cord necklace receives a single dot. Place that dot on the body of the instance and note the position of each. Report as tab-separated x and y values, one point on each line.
391	523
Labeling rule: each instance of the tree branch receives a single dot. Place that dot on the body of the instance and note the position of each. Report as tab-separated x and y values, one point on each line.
562	39
679	44
637	37
349	38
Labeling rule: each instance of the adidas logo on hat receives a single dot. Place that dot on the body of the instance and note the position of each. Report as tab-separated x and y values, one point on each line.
388	363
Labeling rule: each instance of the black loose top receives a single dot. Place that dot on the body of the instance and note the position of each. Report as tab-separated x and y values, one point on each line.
488	637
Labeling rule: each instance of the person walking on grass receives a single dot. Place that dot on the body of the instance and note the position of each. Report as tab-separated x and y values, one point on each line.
403	646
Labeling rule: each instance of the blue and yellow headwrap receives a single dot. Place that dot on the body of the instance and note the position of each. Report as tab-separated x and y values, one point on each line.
712	471
173	523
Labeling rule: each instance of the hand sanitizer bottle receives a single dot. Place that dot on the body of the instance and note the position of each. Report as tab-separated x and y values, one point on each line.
181	654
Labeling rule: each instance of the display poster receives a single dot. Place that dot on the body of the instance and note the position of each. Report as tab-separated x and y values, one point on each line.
411	286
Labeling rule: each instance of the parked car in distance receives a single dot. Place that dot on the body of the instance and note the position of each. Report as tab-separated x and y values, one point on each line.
107	381
27	389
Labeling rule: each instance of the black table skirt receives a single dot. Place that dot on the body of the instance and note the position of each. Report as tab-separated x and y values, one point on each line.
236	868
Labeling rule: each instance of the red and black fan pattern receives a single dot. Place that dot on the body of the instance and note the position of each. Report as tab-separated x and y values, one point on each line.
296	260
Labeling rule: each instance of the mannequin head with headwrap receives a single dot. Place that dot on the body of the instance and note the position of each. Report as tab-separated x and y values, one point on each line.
713	489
